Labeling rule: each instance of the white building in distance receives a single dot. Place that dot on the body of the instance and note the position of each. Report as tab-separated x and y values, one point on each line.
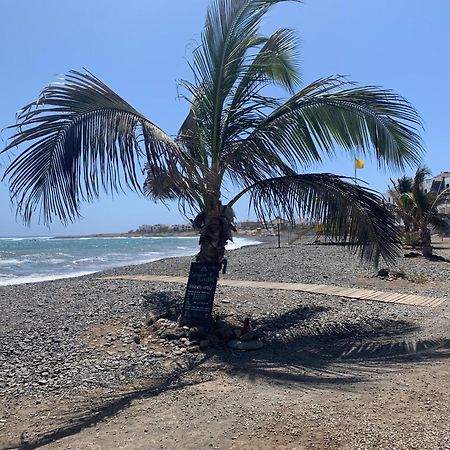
436	185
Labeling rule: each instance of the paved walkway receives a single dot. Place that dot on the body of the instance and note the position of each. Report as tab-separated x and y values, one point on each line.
353	293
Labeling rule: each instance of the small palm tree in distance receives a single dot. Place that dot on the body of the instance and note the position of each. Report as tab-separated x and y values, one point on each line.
420	210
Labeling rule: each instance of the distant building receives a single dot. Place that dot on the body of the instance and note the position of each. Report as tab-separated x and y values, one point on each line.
163	228
181	227
156	228
249	225
436	185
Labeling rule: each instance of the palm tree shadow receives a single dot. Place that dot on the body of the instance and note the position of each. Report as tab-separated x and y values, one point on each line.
305	353
75	423
162	303
300	352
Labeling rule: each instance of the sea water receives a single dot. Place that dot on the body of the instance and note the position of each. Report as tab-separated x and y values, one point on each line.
31	259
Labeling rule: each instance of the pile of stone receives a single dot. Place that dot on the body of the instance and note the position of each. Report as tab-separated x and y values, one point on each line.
194	339
390	274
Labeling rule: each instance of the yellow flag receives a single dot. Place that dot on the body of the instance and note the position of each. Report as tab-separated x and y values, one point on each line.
359	163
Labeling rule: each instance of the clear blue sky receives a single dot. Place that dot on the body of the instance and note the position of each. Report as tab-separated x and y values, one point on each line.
140	48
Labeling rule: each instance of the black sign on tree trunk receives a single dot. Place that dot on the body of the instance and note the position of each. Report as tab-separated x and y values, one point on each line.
199	297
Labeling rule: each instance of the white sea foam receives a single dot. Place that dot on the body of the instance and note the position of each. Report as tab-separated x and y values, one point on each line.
92	259
13	262
25	238
34	262
241	242
37	278
55	261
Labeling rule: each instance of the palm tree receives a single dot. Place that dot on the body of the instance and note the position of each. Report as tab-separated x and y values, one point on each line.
419	209
404	185
80	137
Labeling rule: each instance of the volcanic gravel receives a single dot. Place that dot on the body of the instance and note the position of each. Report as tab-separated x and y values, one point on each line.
73	336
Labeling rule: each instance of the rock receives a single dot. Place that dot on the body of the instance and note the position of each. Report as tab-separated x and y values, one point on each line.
204	343
398	274
237	332
193	349
137	339
173	333
412	255
171	313
237	344
383	273
224	330
198	333
250	336
150	319
213	340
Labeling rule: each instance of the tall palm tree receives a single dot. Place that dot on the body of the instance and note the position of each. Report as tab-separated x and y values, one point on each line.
80	137
419	209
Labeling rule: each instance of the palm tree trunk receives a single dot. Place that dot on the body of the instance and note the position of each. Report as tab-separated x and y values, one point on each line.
425	234
215	229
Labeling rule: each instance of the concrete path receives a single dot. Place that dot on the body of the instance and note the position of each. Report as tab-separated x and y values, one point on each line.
353	293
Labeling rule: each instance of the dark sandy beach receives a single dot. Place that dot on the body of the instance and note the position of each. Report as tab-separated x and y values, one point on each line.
81	369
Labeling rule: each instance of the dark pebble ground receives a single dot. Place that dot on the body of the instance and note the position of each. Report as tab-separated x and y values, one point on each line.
47	348
44	325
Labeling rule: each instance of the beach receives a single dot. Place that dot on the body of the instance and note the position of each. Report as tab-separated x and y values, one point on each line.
82	368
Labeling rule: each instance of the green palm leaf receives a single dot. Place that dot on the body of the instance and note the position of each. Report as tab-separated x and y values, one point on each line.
231	30
349	213
82	137
329	113
419	209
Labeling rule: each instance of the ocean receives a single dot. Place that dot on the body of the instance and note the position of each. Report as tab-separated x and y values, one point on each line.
31	259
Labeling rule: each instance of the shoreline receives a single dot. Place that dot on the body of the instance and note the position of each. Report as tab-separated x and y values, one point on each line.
44	277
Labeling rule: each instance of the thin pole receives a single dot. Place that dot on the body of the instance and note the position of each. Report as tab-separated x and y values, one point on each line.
355	170
278	226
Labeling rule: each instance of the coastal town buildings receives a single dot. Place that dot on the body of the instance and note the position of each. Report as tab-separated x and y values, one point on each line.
435	185
438	184
163	228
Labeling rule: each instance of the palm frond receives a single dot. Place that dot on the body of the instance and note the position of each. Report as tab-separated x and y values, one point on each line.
408	208
276	62
349	213
256	164
440	222
441	199
231	30
404	184
191	137
175	184
80	137
421	199
332	112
